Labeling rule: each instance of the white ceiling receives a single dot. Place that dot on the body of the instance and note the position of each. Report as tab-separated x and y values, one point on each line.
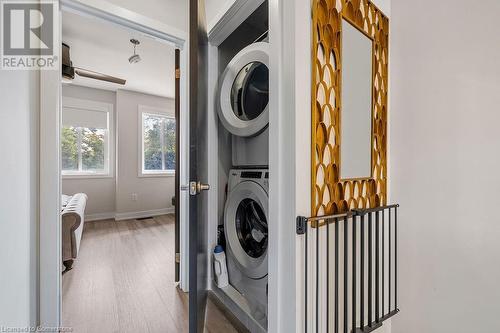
171	12
104	47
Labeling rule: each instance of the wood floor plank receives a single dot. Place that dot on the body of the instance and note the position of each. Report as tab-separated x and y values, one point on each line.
123	281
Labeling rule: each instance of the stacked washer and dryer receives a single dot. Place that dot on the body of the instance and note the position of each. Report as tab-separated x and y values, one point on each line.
243	110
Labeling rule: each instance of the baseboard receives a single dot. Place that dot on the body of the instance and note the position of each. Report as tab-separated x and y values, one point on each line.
100	216
145	213
128	215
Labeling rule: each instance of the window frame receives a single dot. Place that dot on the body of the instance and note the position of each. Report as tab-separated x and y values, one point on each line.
152	111
90	105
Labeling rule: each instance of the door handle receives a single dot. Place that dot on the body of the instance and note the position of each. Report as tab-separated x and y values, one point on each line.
195	188
202	187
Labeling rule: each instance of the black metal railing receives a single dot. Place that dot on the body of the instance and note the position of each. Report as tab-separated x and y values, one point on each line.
350	270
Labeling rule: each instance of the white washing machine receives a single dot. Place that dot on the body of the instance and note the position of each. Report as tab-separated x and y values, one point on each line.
244	104
246	228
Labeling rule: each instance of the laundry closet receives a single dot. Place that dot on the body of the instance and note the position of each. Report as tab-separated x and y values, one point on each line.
239	98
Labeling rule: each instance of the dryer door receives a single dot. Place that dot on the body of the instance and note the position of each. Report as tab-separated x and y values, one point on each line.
245	222
244	91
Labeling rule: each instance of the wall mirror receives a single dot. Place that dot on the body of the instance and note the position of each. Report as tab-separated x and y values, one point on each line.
356	107
350	81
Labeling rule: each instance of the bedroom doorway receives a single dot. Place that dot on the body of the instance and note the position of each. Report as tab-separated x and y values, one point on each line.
121	221
103	118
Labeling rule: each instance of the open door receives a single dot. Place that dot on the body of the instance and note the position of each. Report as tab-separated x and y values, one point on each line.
198	165
177	199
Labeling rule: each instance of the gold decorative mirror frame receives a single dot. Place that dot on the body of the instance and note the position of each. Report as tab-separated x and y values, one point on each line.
330	194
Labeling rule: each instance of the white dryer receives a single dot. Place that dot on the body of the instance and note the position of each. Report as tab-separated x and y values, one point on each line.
244	104
246	228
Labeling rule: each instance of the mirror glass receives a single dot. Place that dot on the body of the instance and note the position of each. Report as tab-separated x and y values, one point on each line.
250	91
356	113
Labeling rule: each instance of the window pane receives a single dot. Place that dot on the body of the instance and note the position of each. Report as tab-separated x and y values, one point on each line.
93	149
69	148
152	143
169	140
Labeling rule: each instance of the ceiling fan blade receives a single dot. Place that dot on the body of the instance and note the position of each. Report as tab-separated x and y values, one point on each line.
99	76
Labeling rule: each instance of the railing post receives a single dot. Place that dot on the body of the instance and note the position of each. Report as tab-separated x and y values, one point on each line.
377	268
390	261
327	275
317	277
370	258
362	272
354	271
383	263
346	274
336	276
396	258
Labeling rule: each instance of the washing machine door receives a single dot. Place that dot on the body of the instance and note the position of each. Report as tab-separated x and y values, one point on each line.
244	91
246	228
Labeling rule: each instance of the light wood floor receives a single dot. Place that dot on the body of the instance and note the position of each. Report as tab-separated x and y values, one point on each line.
123	281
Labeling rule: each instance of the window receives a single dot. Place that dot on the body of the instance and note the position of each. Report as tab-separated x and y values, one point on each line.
158	143
85	146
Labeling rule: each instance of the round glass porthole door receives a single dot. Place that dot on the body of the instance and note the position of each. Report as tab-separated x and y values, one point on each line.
250	91
244	91
246	228
251	228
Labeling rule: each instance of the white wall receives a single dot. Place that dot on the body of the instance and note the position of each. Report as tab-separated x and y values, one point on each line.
19	105
152	192
300	20
113	195
101	191
445	163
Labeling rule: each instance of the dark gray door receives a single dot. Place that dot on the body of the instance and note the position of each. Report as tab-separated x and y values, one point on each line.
177	199
198	168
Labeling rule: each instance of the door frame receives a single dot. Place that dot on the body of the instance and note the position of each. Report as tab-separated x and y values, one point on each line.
226	23
49	267
178	164
289	123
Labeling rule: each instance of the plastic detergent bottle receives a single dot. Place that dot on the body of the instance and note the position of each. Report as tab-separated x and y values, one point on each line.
220	268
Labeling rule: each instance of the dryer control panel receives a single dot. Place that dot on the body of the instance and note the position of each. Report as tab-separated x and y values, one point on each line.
260	176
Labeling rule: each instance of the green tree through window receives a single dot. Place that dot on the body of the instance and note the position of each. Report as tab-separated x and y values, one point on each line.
69	148
92	149
83	150
158	143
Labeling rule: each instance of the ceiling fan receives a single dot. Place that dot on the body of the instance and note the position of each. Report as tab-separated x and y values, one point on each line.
69	71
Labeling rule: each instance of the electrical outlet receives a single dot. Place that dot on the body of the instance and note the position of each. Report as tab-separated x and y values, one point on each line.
134	196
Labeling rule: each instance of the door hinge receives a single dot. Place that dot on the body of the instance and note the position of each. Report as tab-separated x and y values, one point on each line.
178	258
177	73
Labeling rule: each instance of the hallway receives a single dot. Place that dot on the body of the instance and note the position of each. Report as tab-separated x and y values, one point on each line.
123	281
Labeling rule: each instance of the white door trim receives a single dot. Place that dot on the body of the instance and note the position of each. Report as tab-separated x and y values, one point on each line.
289	131
126	18
50	170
